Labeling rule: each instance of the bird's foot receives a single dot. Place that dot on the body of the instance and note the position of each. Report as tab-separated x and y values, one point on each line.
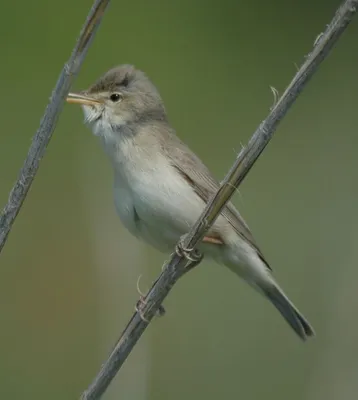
192	255
141	303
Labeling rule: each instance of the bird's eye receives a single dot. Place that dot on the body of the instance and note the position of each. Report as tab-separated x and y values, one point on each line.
115	97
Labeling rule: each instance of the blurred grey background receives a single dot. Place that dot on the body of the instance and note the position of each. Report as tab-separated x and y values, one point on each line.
69	270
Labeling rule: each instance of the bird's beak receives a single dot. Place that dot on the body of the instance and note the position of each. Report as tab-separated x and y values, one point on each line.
76	98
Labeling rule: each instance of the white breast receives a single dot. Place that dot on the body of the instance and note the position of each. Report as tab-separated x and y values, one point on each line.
152	200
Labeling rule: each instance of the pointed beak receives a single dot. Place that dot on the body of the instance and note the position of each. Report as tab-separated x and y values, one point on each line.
76	98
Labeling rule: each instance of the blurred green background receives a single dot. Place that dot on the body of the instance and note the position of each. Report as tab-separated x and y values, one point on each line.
69	269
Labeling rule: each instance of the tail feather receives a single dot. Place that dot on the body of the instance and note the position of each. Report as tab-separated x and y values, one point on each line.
296	320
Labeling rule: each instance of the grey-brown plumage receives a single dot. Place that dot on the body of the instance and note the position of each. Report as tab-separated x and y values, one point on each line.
161	186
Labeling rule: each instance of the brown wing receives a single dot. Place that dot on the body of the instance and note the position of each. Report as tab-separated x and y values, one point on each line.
202	182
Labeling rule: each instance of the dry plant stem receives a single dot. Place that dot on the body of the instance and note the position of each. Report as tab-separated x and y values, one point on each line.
49	120
245	160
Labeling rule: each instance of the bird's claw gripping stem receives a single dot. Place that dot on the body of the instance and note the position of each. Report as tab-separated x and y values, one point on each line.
142	302
192	255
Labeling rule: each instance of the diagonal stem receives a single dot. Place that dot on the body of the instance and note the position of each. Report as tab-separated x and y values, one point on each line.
49	120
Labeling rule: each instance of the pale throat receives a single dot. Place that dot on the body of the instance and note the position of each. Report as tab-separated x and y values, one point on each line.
103	122
118	143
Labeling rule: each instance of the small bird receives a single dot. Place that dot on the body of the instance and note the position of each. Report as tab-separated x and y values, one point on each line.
161	187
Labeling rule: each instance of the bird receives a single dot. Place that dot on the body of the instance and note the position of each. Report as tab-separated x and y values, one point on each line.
161	186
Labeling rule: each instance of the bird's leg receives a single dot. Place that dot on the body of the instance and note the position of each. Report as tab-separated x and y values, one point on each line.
142	302
192	255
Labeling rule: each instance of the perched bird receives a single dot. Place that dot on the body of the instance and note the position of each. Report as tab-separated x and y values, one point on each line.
161	187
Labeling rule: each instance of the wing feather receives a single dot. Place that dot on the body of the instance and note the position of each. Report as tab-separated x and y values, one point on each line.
203	183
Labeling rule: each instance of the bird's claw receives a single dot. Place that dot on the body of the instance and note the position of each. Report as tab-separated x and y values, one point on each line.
192	255
141	303
139	308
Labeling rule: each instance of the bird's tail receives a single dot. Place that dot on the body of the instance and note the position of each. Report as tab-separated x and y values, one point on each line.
296	320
